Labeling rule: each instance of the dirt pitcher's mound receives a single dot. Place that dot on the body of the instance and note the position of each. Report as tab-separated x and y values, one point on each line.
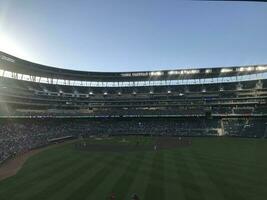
160	143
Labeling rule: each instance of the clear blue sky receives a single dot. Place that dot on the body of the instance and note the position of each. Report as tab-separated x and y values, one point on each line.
123	35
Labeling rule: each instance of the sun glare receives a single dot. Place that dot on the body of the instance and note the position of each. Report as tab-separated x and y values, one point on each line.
10	46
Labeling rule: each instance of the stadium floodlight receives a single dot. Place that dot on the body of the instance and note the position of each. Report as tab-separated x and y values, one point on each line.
192	71
173	72
241	69
245	69
261	68
226	70
207	71
156	73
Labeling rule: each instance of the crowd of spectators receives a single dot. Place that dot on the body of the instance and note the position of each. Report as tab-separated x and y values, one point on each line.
183	111
21	135
242	127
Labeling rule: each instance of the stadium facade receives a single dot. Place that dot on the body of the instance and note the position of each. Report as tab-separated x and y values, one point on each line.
215	97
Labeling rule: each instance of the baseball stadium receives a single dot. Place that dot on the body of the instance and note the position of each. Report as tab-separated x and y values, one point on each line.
167	134
133	100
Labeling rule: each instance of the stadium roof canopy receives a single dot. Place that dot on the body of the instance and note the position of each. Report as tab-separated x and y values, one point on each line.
14	65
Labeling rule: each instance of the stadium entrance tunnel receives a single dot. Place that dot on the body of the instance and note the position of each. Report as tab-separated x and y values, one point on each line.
121	145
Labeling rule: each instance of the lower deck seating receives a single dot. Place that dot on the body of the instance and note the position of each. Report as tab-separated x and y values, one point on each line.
20	135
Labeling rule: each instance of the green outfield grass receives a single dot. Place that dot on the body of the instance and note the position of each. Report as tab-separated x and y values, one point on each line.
211	168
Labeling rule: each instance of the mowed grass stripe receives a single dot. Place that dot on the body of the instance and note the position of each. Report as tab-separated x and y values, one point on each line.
58	181
33	185
83	176
227	189
32	165
104	187
231	174
59	186
244	179
202	175
230	161
239	174
235	157
37	174
173	169
36	178
155	187
140	181
69	178
209	169
89	186
181	176
48	156
238	168
191	190
120	180
209	189
231	182
239	150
